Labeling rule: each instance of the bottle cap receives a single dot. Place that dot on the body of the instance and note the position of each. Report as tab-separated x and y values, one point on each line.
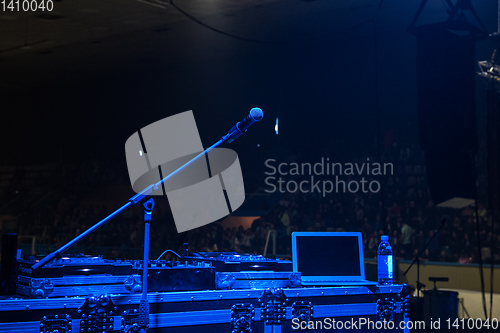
384	238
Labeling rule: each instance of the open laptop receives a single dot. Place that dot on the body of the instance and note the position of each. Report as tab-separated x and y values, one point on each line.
329	258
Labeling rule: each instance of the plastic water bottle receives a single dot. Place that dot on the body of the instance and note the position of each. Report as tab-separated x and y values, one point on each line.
384	254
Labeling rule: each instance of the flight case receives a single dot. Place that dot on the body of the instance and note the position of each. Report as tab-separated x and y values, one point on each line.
243	310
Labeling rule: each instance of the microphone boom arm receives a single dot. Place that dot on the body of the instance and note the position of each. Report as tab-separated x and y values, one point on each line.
145	194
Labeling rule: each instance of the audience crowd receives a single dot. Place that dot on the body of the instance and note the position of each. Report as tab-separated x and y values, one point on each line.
402	209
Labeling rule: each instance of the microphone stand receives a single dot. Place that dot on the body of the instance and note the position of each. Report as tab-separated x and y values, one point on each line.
148	203
144	303
140	197
417	261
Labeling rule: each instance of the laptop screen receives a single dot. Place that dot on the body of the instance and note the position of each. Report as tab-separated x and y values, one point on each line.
328	256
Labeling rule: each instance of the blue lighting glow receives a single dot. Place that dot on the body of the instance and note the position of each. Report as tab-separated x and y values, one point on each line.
276	126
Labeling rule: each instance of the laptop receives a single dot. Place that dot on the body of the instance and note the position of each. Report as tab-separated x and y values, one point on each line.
329	258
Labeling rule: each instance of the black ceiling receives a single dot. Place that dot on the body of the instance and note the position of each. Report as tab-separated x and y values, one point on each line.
82	78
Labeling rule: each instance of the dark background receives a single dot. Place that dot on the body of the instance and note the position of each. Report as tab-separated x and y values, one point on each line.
75	83
89	78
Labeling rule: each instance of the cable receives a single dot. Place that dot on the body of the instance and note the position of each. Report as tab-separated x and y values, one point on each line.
480	255
492	258
495	213
377	112
194	19
161	255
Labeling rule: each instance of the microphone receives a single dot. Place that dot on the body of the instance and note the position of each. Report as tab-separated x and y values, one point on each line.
241	127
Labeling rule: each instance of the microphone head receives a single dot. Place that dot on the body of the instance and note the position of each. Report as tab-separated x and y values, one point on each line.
256	114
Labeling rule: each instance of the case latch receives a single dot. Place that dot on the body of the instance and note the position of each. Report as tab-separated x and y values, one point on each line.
130	321
242	318
385	309
41	288
55	323
303	311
